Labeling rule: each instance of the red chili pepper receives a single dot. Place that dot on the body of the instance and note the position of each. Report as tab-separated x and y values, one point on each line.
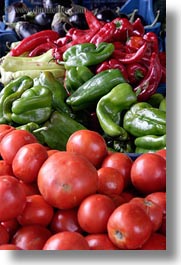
112	64
136	72
33	41
149	84
105	34
40	49
152	40
92	21
162	57
135	42
63	40
138	28
163	77
124	29
128	58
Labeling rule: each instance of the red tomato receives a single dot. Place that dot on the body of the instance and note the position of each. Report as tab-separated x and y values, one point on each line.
94	212
5	168
155	242
5	129
129	227
66	241
13	141
153	210
4	235
11	226
29	188
51	151
88	143
65	220
31	237
12	198
65	179
122	163
100	242
28	160
110	181
9	247
162	152
36	211
148	173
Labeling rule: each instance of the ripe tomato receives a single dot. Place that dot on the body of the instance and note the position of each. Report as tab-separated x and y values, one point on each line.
94	212
110	181
88	143
65	220
28	160
66	178
129	227
11	226
4	235
122	163
31	237
100	242
5	129
66	241
29	188
153	210
9	247
5	168
148	173
36	211
12	142
12	198
162	152
155	242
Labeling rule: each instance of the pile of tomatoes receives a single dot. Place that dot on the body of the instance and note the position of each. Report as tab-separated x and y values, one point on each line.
84	198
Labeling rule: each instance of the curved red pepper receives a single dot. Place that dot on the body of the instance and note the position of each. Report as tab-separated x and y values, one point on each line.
149	84
124	29
33	41
138	28
128	58
40	49
112	64
105	34
136	72
152	40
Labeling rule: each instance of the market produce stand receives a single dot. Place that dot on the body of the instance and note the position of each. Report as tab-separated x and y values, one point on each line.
82	121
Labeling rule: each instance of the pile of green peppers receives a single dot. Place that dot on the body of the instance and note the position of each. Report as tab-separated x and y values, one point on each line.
52	111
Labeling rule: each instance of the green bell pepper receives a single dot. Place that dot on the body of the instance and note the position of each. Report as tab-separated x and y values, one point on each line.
110	107
59	94
76	76
92	90
155	100
56	131
34	105
142	119
10	92
163	104
150	142
87	54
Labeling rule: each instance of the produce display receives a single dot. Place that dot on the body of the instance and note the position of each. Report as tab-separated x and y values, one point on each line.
83	131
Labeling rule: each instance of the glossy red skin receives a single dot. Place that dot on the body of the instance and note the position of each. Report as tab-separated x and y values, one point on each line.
66	241
94	212
31	237
4	235
11	226
12	198
122	163
153	210
36	211
110	181
5	168
155	242
65	220
13	141
148	173
5	129
162	152
100	242
88	143
65	179
28	160
129	227
29	188
9	247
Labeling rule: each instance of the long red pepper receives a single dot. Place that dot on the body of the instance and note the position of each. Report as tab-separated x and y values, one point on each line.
149	84
130	57
33	41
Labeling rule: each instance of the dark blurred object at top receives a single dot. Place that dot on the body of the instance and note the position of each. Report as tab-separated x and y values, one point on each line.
55	3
